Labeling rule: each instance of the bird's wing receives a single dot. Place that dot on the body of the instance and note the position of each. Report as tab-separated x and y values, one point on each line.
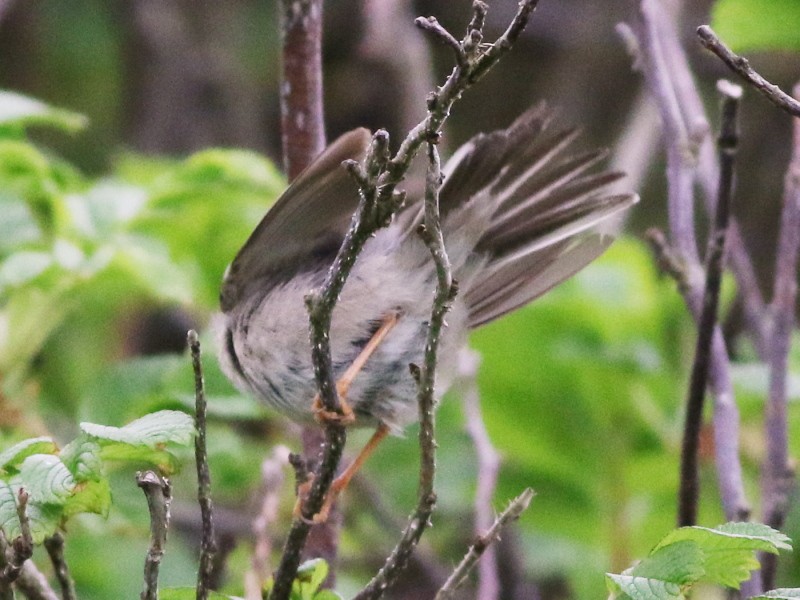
306	225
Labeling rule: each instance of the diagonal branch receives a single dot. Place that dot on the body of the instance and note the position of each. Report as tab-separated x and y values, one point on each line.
742	68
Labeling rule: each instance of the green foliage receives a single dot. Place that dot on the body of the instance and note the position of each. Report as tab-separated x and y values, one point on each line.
306	585
190	593
757	25
724	555
74	480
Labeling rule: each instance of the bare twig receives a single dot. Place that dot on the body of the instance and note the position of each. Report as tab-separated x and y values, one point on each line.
688	495
446	289
742	68
377	180
777	473
55	549
208	542
662	61
517	506
488	467
159	495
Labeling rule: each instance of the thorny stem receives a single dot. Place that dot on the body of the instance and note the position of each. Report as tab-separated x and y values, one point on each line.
742	68
688	494
377	179
517	506
55	549
208	544
778	476
446	290
159	496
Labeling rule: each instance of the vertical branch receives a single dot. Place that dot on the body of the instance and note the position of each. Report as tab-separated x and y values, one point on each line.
302	122
688	494
208	544
159	496
777	474
446	290
661	60
303	138
55	549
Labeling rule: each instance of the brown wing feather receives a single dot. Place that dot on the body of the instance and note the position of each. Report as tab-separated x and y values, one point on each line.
317	206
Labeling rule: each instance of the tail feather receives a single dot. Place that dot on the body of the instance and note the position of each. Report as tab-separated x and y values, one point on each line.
544	210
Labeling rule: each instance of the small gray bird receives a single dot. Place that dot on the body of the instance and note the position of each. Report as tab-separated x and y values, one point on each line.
519	215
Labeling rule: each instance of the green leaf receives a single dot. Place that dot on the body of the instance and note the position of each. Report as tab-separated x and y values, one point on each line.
152	438
82	458
642	588
729	549
311	574
22	111
680	562
781	593
757	25
190	593
90	497
45	478
13	457
44	518
22	267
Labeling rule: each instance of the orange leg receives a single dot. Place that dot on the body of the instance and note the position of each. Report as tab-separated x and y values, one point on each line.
342	481
343	385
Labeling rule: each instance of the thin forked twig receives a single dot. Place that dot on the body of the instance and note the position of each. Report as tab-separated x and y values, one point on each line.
55	550
208	542
158	492
741	66
517	506
377	179
446	290
728	139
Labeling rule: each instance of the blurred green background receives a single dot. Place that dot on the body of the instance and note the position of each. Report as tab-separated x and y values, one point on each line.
114	237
